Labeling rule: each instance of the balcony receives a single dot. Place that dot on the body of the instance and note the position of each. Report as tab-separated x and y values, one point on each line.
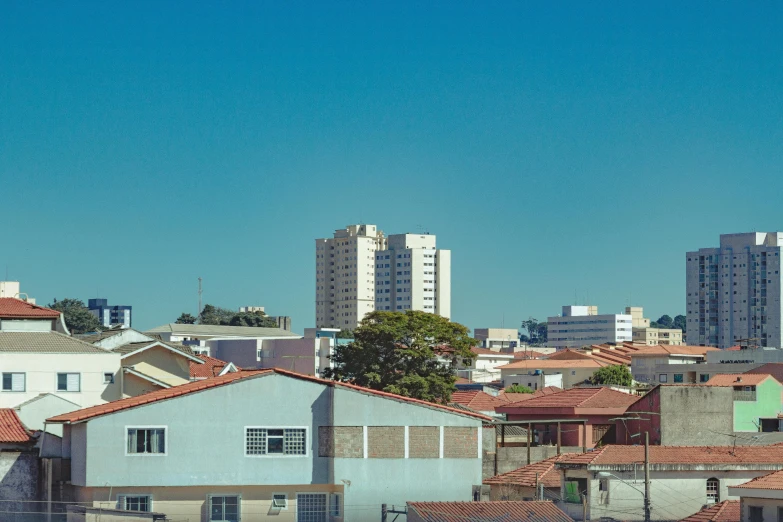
745	395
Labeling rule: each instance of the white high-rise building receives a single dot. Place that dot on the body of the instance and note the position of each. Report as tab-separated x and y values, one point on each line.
359	270
733	292
582	326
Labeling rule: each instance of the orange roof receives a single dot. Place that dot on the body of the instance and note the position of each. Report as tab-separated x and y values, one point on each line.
726	511
568	354
542	364
528	354
16	308
517	397
11	427
526	475
696	455
522	511
733	379
211	367
485	351
602	397
668	349
772	481
205	384
476	400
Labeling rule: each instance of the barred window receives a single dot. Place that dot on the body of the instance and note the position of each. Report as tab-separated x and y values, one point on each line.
275	441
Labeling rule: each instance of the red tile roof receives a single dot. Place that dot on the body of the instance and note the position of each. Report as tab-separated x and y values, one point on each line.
568	355
476	400
11	427
211	367
517	397
627	455
771	481
16	308
603	397
522	511
543	364
726	511
205	384
529	354
733	379
526	475
773	369
484	351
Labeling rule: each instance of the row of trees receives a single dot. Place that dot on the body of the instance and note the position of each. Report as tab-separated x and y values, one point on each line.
666	321
215	315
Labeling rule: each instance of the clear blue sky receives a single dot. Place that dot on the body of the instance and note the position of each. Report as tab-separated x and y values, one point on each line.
574	149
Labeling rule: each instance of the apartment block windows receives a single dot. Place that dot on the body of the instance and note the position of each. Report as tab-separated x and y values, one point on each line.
147	441
224	508
311	507
70	382
13	382
135	503
284	442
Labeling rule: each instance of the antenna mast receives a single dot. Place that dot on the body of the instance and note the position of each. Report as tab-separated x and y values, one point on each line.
199	296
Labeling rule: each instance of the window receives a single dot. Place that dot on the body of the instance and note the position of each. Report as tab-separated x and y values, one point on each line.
13	382
780	509
147	441
224	508
311	507
756	513
663	377
108	378
704	377
677	377
68	382
135	502
713	491
334	505
280	501
275	441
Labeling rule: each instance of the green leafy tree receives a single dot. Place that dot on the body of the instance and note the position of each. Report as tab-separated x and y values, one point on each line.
186	319
664	321
397	352
679	322
517	388
78	317
345	333
252	319
215	315
536	332
617	374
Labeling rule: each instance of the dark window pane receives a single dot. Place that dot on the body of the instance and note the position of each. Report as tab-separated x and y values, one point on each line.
275	433
6	381
62	382
274	445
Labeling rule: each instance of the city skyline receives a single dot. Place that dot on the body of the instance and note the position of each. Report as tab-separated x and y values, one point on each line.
562	153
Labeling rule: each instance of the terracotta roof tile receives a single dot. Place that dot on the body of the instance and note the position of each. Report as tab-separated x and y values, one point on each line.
476	400
771	481
669	349
523	511
626	455
205	384
726	511
543	364
484	351
526	475
16	308
733	379
603	397
529	354
211	367
11	427
518	397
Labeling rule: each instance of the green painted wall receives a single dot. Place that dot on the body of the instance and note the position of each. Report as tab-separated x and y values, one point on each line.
767	404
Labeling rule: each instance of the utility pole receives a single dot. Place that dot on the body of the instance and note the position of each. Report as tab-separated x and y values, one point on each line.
536	497
199	296
646	476
384	513
584	506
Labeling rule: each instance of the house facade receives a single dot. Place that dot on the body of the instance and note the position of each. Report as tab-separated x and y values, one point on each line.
761	498
528	372
310	451
17	315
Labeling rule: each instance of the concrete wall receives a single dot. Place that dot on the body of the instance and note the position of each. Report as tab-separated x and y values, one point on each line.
41	376
34	413
503	460
769	507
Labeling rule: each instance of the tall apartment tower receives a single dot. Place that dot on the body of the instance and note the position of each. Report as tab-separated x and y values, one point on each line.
733	292
411	274
360	270
345	275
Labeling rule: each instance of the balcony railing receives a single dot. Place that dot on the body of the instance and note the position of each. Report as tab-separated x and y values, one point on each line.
742	395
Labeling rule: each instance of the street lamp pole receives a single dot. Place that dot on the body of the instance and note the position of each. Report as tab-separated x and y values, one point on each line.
646	492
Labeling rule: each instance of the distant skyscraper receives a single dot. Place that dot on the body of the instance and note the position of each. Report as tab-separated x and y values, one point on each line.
359	270
733	292
110	315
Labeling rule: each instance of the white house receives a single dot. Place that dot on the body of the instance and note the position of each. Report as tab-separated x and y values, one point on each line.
17	315
761	498
485	365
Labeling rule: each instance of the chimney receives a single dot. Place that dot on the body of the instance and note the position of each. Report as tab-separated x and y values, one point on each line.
739	379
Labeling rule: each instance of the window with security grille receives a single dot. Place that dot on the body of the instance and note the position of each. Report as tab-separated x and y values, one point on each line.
311	507
713	491
275	441
224	508
135	503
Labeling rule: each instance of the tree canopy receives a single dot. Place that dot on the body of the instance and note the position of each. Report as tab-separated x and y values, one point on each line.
186	319
216	315
617	374
666	322
536	332
397	352
517	388
78	317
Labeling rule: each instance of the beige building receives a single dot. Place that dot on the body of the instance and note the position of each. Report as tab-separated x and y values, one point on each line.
643	333
360	270
529	372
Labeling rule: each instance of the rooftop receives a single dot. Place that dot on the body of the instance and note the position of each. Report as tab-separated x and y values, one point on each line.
523	511
211	367
545	470
726	511
209	330
477	400
485	351
773	369
10	307
772	481
651	351
743	379
678	455
11	427
227	379
603	397
44	342
542	364
517	397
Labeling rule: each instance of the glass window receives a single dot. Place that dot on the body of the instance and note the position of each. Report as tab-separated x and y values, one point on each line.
677	377
704	377
756	513
68	382
108	378
146	441
224	508
663	377
311	507
135	503
280	500
713	491
13	382
275	441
